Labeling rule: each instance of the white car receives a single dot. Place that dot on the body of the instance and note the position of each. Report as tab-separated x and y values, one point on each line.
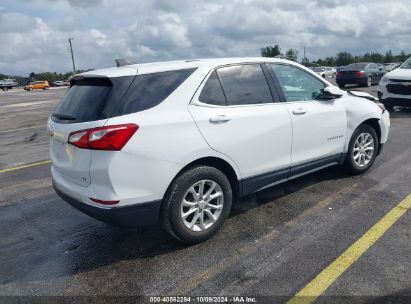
178	142
325	71
394	88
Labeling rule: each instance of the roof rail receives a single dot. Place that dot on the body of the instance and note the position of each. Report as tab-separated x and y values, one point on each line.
122	62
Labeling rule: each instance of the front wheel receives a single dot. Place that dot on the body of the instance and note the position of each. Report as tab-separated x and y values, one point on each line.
362	150
197	204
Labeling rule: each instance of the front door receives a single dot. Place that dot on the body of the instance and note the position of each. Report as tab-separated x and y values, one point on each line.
319	127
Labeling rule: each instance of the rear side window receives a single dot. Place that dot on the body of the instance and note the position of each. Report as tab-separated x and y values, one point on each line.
245	84
212	92
149	90
84	101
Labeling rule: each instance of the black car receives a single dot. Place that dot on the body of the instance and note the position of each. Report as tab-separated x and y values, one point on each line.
365	74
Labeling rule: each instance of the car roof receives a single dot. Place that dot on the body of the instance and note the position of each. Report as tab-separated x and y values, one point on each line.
155	67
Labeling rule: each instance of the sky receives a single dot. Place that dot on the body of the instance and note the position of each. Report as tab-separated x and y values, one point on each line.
34	33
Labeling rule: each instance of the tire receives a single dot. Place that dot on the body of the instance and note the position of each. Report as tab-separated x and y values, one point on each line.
341	86
30	89
323	75
369	82
359	159
173	208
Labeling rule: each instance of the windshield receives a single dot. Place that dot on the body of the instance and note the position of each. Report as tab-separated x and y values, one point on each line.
318	69
406	65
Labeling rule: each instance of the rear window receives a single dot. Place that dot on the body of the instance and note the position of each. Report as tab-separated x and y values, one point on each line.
84	101
91	99
356	66
149	90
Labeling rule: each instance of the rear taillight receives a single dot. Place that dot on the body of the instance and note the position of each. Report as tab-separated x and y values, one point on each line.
112	138
360	73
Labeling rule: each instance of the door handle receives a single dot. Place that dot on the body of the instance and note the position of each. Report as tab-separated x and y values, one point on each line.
299	111
219	119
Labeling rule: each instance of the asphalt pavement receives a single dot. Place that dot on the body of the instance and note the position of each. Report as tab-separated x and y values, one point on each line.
274	243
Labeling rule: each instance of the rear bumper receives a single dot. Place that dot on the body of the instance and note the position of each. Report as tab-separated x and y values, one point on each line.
142	214
357	80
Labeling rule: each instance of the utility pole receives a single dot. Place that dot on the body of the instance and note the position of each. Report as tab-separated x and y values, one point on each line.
72	55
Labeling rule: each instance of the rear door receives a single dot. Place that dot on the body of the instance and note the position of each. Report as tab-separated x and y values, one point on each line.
319	126
87	104
235	112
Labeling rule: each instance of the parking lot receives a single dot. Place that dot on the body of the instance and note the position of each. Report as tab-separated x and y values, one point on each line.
273	245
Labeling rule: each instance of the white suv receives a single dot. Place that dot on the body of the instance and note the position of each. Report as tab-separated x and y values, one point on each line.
395	87
178	142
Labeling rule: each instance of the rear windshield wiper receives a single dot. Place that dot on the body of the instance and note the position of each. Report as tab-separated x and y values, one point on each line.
63	116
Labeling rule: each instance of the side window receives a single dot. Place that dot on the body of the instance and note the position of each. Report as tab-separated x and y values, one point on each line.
297	84
149	90
212	92
245	84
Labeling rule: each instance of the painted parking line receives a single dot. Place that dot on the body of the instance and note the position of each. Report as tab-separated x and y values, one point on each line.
333	271
26	166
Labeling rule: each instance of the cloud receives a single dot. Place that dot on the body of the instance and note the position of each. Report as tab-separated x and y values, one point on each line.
34	33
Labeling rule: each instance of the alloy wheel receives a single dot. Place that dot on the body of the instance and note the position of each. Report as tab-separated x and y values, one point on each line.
202	205
363	149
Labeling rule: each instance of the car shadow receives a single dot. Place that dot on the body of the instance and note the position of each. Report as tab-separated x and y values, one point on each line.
79	244
106	245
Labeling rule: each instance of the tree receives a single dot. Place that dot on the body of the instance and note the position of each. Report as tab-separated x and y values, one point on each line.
402	57
389	57
344	58
271	51
305	62
291	54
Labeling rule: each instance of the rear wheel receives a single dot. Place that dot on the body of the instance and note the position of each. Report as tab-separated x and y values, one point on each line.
197	204
362	150
369	82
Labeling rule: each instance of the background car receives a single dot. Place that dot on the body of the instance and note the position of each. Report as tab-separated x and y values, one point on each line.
395	87
365	74
392	66
7	84
57	83
37	85
325	71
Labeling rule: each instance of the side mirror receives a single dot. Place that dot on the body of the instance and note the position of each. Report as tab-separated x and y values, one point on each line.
331	92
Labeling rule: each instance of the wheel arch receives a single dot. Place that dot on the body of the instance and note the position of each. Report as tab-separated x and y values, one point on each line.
374	123
220	164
